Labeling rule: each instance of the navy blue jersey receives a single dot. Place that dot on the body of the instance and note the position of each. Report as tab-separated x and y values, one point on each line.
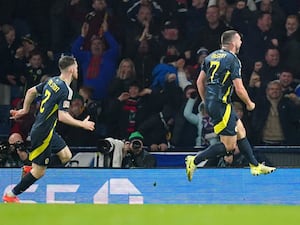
56	95
221	68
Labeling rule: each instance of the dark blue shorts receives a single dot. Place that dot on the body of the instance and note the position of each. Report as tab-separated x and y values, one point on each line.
223	117
42	148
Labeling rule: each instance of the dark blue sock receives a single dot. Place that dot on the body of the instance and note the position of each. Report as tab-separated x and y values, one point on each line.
25	183
246	149
211	152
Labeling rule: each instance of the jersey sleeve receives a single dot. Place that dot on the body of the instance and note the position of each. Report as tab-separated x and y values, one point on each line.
235	68
204	66
65	99
40	87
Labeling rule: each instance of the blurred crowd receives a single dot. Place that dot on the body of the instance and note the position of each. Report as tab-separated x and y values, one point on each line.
139	61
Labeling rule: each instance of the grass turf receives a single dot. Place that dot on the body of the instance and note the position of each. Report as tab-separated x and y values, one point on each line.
81	214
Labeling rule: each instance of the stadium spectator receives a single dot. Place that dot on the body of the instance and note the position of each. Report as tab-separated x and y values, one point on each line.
202	121
286	79
209	35
171	40
126	111
16	139
265	71
23	125
32	72
249	3
200	55
145	59
271	66
134	8
8	79
275	120
277	14
289	87
96	110
170	71
157	129
195	17
290	45
14	152
64	14
98	18
99	63
258	37
136	156
184	133
124	77
143	28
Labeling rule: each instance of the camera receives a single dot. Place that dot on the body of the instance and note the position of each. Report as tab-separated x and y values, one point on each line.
136	144
194	94
18	146
8	152
105	146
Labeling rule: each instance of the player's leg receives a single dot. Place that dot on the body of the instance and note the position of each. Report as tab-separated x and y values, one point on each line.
30	178
39	165
226	146
246	149
244	145
61	153
224	125
65	155
224	120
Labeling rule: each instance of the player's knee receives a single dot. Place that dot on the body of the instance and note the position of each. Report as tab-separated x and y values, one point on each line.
38	171
66	157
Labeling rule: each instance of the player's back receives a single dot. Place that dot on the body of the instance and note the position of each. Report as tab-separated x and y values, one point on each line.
54	92
221	67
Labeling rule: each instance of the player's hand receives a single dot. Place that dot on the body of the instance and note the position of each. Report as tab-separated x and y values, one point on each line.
250	106
88	125
16	114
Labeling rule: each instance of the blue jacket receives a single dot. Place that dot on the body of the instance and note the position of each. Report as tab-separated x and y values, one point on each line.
108	65
159	75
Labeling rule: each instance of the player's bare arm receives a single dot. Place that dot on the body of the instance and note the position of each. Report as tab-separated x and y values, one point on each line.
29	97
66	118
201	83
243	94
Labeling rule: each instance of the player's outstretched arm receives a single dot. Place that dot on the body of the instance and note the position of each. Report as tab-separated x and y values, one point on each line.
66	118
29	97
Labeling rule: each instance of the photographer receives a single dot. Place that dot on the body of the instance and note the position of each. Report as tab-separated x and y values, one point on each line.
126	154
136	155
14	152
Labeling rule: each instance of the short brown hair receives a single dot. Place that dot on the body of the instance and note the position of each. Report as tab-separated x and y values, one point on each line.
227	37
66	61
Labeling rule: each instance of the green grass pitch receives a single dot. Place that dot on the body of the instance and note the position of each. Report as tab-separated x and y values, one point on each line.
89	214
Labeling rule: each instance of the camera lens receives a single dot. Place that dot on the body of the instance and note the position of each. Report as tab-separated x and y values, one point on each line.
136	144
104	146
